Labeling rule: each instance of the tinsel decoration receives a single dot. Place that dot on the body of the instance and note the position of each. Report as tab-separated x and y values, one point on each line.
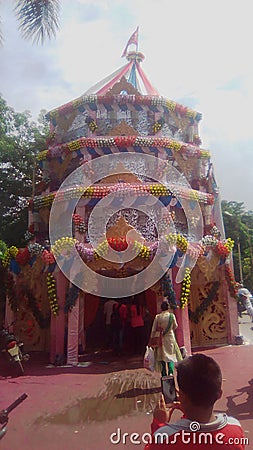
168	291
232	285
186	288
52	295
71	298
194	316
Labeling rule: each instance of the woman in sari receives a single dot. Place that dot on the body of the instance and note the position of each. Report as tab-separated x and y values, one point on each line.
163	340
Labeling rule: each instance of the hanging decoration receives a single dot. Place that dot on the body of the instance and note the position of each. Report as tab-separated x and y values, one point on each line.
168	291
91	124
184	148
71	298
28	236
8	254
149	100
123	189
43	321
52	294
79	223
185	289
23	256
195	316
158	125
3	248
10	292
232	284
223	248
63	244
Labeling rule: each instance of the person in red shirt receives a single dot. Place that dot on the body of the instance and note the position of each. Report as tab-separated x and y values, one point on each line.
199	382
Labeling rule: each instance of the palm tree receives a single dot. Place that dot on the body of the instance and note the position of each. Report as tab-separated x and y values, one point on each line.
38	19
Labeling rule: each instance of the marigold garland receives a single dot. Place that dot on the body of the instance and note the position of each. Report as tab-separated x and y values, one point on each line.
182	243
186	288
64	243
158	125
52	294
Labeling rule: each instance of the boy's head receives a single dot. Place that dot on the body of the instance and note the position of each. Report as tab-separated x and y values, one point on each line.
199	380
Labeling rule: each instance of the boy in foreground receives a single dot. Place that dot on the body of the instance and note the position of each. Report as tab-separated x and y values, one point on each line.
199	382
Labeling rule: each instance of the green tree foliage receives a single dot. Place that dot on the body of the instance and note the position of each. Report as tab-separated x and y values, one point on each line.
20	141
239	226
38	19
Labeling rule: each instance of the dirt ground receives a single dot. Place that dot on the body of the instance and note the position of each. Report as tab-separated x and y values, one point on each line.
91	406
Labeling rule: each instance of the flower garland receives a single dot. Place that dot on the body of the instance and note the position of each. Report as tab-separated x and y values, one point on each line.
52	294
28	236
131	99
3	248
23	256
232	285
124	189
224	248
48	257
64	243
91	124
168	291
65	246
79	223
8	254
194	316
186	288
158	125
35	249
184	148
182	243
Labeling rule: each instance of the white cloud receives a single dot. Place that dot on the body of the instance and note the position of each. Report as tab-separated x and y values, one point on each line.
195	51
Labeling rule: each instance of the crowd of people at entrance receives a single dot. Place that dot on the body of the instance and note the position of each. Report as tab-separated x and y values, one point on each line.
128	325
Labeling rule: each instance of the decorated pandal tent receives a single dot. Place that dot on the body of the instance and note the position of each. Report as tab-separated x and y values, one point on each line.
122	116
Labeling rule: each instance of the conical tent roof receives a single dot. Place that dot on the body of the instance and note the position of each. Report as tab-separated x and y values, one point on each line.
133	73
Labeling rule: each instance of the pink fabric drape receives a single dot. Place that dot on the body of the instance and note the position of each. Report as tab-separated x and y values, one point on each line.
107	86
148	86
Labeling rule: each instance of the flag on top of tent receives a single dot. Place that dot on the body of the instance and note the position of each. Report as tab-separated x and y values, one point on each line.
132	40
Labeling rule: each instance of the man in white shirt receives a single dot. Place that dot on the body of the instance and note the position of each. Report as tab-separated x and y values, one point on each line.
108	309
245	296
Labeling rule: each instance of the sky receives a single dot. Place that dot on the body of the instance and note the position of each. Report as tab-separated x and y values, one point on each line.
197	53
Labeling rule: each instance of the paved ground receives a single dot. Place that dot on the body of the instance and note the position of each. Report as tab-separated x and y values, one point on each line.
245	326
79	408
